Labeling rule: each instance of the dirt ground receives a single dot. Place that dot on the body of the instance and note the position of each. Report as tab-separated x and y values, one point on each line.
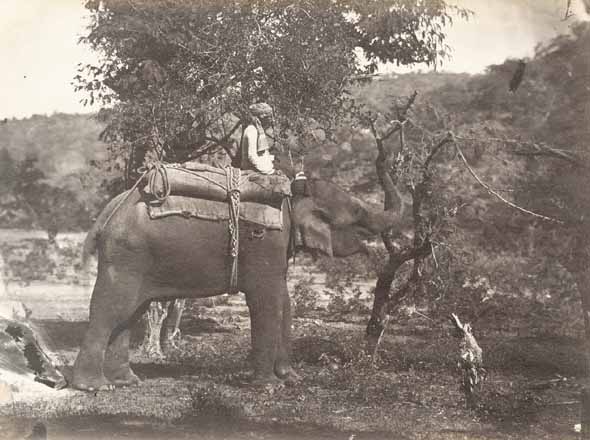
201	390
412	392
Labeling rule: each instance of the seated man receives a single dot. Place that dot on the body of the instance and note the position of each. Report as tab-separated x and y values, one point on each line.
254	148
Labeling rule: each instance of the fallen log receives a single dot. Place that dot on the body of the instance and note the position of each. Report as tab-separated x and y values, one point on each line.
24	356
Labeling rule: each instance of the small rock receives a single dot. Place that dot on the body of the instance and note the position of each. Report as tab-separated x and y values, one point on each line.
578	427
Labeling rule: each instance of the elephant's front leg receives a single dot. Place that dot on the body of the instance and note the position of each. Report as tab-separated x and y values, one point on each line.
283	368
266	313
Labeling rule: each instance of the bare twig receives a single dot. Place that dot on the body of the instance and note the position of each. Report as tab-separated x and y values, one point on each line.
380	338
499	196
532	148
567	402
397	125
433	255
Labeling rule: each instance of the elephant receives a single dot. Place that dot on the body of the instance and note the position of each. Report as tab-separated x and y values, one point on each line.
141	260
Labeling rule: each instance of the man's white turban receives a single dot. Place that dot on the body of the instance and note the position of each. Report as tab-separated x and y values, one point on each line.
261	110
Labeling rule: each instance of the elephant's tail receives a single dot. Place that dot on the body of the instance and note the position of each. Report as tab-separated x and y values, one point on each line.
91	241
90	244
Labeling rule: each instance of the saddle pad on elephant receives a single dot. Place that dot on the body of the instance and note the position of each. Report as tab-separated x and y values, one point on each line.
193	179
264	215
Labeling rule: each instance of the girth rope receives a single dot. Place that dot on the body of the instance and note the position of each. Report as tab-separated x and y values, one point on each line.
233	196
233	183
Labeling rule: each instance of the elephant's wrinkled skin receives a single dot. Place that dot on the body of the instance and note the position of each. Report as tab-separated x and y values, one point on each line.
140	260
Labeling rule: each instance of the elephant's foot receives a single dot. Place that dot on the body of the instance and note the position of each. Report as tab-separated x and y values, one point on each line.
284	371
288	375
124	377
270	383
92	384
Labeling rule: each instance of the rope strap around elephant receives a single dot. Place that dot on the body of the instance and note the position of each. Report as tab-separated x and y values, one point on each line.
159	169
233	183
124	199
233	193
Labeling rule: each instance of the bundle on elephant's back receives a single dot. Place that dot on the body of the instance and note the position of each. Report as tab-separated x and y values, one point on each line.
206	182
267	216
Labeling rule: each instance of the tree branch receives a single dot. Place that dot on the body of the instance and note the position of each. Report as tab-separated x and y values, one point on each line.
447	139
499	196
532	149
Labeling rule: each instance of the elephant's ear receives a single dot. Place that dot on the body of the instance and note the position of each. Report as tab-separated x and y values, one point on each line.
346	241
314	228
316	234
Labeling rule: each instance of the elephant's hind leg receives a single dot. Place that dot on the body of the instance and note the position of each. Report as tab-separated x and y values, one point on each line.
113	303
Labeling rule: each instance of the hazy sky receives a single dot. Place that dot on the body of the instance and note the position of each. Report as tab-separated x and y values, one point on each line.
39	51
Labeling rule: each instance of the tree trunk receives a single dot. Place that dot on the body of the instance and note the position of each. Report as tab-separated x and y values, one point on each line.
376	325
171	326
134	162
159	328
155	316
579	265
582	280
585	413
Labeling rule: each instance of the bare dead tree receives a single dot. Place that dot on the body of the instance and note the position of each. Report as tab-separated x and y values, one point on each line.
388	166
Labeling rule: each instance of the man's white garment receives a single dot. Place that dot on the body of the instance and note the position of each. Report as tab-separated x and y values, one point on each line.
261	161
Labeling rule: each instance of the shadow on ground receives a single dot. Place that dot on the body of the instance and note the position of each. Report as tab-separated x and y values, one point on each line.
411	392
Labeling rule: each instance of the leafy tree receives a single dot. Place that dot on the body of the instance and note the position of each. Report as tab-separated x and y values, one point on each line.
177	75
7	171
28	199
11	212
63	153
559	185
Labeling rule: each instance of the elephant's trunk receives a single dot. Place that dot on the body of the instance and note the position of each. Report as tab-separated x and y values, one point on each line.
378	222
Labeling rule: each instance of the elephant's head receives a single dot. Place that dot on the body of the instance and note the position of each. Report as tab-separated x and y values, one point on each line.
328	219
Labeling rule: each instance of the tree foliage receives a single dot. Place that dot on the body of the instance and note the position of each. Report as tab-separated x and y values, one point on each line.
28	200
52	167
521	145
177	75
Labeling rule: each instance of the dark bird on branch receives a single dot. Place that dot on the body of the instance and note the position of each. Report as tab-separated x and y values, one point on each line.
517	76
